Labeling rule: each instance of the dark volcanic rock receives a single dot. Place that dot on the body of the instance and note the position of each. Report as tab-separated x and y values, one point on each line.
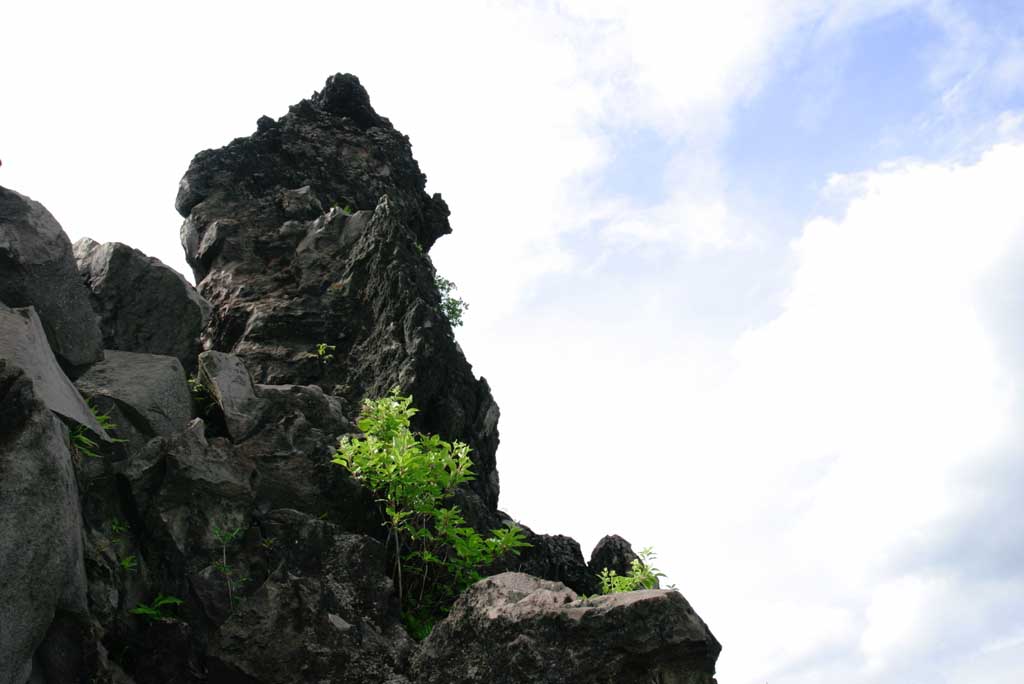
231	387
37	269
327	613
275	249
43	592
143	305
557	558
23	343
514	628
614	553
150	391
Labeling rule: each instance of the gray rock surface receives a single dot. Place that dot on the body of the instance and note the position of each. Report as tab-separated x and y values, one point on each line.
229	384
514	628
285	264
23	343
150	391
40	535
38	269
143	305
326	613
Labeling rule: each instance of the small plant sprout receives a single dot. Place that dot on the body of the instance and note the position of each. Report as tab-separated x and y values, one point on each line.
202	396
155	610
324	352
642	575
85	445
225	537
129	563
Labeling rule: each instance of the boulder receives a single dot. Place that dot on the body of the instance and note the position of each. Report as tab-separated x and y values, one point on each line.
514	628
143	305
315	230
327	613
230	386
612	553
37	269
24	345
150	392
554	557
43	593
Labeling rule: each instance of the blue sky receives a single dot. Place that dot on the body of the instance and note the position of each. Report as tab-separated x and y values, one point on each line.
744	276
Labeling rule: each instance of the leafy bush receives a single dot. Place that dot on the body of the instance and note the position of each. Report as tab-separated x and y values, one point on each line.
451	307
435	553
642	575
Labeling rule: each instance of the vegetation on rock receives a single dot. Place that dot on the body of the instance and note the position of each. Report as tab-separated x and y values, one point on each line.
642	575
452	307
436	554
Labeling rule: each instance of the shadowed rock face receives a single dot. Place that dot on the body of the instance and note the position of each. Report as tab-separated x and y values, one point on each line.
38	269
143	306
40	534
315	230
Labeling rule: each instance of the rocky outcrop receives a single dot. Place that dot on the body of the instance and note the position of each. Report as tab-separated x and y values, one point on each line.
143	306
37	269
43	592
315	230
215	541
514	628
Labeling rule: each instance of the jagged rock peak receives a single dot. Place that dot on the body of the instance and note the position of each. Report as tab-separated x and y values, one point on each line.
315	231
335	144
344	95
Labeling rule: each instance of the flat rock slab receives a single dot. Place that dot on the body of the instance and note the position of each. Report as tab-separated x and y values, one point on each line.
514	628
23	344
37	269
143	305
151	390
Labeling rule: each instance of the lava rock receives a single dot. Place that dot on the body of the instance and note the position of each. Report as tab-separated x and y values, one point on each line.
37	269
314	230
149	390
327	613
143	305
44	584
514	628
557	558
23	343
183	489
230	385
612	553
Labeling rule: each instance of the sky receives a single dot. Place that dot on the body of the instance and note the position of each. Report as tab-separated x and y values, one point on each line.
744	277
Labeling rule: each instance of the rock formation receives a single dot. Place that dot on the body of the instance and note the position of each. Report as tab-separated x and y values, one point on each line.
142	305
213	540
37	269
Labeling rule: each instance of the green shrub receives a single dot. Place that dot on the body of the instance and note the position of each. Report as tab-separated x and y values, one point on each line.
435	553
642	575
451	307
